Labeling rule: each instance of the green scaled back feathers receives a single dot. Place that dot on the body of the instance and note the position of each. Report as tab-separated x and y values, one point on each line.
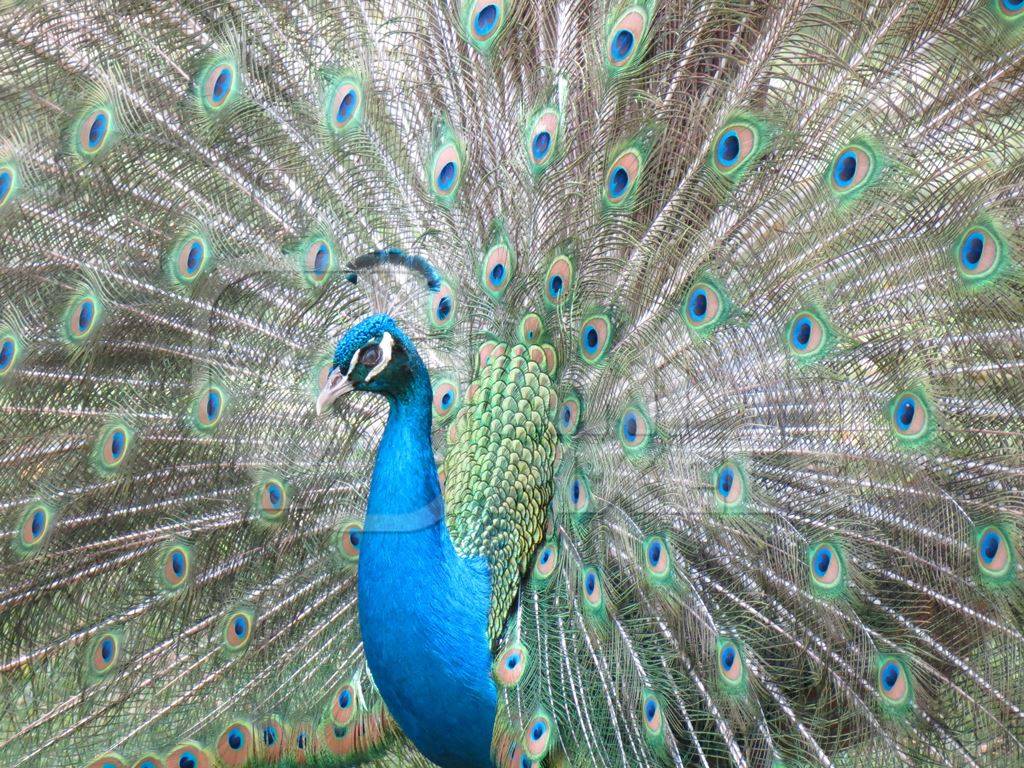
726	365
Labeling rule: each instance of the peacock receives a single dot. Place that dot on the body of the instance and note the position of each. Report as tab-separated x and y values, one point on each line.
507	384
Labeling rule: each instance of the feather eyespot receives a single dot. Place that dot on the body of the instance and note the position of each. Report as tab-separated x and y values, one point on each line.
807	336
730	486
446	172
622	176
238	630
8	183
547	559
189	755
190	259
303	742
209	408
345	106
108	761
345	706
113	446
558	281
635	431
510	665
82	317
235	746
271	740
995	555
569	413
909	415
826	567
446	398
705	306
105	651
318	261
591	589
657	559
577	492
94	130
273	499
35	528
485	20
626	38
851	169
149	761
217	85
542	139
595	337
338	739
175	566
442	307
1011	8
893	680
735	144
538	736
730	662
350	538
650	714
498	266
9	349
981	254
531	329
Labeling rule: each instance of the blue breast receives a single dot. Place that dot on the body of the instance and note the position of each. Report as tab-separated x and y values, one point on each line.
422	609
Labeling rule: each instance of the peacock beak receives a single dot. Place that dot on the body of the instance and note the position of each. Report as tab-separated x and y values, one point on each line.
337	384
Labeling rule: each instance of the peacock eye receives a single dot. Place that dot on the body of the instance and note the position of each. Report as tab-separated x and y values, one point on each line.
370	356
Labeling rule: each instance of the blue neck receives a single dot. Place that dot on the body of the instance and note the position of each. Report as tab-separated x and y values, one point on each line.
423	609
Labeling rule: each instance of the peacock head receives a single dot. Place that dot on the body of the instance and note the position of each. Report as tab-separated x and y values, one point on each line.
373	356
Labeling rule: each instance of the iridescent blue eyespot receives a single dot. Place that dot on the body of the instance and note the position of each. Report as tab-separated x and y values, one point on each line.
238	630
728	151
542	138
725	481
346	106
97	130
537	736
7	178
851	168
893	681
622	175
8	350
105	652
446	177
622	45
698	305
235	745
845	169
270	735
209	408
595	337
729	486
909	415
221	86
981	252
34	528
730	663
485	20
995	554
541	145
217	86
654	550
970	253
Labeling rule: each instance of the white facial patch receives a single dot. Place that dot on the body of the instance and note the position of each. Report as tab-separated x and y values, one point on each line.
386	344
